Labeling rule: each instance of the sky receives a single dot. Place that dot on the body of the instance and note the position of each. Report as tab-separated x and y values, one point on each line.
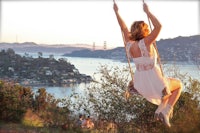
91	21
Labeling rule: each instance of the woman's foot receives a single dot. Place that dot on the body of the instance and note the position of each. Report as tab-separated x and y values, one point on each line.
165	114
156	115
164	119
158	110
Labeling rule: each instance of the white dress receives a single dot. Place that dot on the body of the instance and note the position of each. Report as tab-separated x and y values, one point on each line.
148	79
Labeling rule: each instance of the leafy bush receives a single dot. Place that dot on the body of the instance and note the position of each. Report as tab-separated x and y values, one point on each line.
105	100
14	101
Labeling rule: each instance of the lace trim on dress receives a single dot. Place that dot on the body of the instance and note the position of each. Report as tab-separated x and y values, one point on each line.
128	46
143	48
144	53
144	67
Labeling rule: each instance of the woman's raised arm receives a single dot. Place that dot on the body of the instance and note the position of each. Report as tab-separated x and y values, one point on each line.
121	23
157	26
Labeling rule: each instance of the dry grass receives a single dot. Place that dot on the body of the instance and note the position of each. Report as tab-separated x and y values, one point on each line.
32	119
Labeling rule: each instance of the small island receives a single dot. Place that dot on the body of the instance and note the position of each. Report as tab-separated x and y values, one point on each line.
40	71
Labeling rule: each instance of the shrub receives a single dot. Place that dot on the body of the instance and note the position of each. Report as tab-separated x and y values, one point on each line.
105	100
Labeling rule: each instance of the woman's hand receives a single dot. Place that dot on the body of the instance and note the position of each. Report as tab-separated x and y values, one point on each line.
115	7
145	8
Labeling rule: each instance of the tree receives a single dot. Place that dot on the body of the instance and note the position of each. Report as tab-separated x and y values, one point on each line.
11	52
41	101
14	101
40	54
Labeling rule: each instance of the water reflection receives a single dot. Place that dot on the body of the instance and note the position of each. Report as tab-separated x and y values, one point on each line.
65	91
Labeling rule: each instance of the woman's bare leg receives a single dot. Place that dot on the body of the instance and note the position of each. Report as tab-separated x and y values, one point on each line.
175	88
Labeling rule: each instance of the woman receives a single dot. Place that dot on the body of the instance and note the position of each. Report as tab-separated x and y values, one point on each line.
148	79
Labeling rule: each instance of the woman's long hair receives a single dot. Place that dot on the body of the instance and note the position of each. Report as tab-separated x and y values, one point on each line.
139	30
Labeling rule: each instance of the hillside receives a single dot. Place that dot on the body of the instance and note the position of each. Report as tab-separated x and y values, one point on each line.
177	49
38	71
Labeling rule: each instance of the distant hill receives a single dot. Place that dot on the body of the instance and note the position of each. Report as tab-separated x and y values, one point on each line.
31	47
185	49
180	48
175	49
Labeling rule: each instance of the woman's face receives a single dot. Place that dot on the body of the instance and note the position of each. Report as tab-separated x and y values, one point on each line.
145	30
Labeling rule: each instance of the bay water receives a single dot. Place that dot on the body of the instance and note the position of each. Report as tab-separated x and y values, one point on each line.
89	66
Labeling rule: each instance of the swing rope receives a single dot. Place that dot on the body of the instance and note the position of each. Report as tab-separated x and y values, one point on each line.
127	57
155	46
165	93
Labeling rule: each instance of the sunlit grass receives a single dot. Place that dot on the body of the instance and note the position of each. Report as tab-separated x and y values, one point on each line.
31	119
